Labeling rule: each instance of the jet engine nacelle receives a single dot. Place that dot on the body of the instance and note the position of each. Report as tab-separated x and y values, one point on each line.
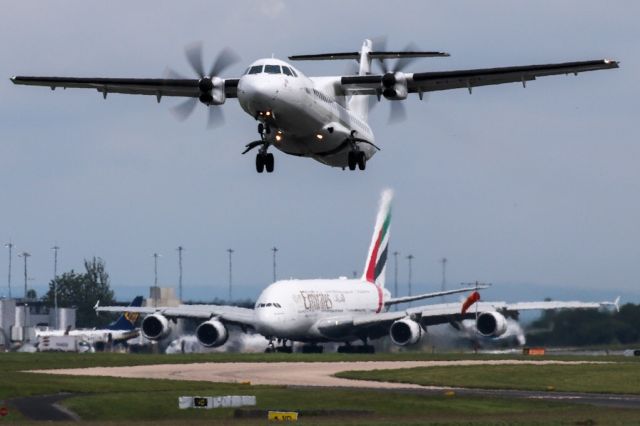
491	324
212	91
212	333
155	327
394	86
405	332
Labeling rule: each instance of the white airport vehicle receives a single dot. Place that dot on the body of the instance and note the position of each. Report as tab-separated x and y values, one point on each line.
324	118
121	330
331	310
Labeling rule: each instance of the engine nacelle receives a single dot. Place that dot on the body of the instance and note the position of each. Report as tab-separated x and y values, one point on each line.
405	332
491	324
212	91
394	86
155	327
212	333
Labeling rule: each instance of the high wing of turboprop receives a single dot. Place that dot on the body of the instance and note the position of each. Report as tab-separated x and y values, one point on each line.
323	118
325	310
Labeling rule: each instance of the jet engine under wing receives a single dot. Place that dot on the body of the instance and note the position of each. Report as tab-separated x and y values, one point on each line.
158	87
231	314
444	313
445	80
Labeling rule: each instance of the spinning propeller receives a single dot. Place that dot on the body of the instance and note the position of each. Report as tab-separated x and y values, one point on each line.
206	82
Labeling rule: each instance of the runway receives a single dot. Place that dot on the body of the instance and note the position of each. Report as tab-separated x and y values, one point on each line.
312	374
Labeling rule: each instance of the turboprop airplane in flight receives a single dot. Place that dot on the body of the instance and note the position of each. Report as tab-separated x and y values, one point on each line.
324	118
337	310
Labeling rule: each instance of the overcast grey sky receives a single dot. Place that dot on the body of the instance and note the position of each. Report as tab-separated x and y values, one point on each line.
534	188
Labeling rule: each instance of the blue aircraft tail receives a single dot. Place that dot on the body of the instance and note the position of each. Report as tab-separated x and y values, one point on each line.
127	321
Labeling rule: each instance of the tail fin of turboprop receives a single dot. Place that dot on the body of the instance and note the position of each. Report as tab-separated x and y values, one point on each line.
374	270
360	104
127	321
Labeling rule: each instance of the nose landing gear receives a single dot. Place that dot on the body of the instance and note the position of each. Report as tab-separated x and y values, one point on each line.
264	159
358	158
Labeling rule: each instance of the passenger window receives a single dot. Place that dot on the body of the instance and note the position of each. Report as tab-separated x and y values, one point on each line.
256	69
287	71
272	69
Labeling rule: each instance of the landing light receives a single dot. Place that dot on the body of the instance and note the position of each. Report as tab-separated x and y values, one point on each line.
278	137
268	113
319	136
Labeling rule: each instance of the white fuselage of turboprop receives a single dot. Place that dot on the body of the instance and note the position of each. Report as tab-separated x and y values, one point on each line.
305	116
297	309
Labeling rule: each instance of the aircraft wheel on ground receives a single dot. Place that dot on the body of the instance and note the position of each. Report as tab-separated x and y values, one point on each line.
362	160
269	162
260	163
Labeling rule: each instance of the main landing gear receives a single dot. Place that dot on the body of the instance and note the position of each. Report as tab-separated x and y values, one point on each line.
281	348
313	348
264	159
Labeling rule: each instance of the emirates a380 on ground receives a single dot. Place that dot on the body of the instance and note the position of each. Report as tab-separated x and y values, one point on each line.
339	310
324	118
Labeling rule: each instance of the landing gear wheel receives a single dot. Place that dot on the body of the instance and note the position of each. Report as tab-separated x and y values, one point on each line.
269	162
352	160
260	160
362	160
260	128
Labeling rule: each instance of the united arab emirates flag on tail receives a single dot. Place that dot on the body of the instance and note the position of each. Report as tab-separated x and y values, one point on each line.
374	271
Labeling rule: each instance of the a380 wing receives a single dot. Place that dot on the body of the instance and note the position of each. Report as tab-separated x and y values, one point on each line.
230	314
158	87
444	313
445	80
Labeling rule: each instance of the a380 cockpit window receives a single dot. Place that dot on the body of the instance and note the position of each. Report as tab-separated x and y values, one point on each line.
256	69
272	69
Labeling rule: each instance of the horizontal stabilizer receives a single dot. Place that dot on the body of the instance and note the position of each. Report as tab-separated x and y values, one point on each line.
406	54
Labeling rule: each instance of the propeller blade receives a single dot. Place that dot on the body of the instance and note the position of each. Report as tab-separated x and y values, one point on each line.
379	44
225	58
398	112
184	109
216	117
173	75
194	55
402	63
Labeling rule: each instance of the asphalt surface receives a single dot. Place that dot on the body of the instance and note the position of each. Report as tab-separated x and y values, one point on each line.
44	408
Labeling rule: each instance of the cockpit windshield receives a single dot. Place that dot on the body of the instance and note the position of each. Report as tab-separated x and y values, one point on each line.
256	69
272	69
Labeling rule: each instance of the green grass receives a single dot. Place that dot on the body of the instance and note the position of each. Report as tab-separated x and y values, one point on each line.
601	378
146	400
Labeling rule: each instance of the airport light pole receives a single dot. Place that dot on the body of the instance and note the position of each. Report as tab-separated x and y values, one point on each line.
274	250
444	276
25	256
180	250
410	259
395	273
9	245
230	251
55	283
155	278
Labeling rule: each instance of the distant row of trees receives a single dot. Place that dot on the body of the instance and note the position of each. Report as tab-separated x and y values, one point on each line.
81	290
586	327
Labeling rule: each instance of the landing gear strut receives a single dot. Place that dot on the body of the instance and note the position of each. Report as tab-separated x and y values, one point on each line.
264	159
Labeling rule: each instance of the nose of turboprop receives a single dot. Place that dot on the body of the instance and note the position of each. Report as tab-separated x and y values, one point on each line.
257	93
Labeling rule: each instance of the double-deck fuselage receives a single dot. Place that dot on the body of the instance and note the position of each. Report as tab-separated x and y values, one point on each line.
304	116
298	309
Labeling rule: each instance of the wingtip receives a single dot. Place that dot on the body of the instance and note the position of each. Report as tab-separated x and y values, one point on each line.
13	79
